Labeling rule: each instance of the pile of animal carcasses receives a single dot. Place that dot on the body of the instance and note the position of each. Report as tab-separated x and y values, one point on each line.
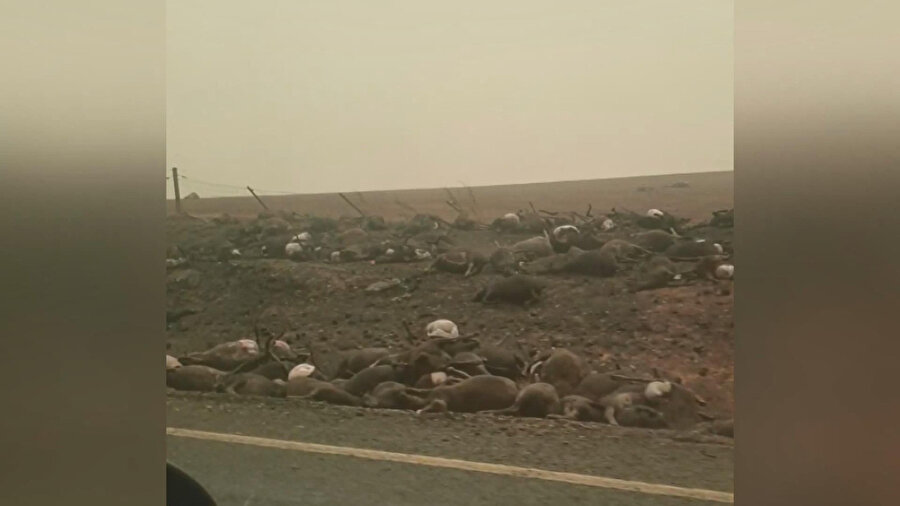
654	249
445	371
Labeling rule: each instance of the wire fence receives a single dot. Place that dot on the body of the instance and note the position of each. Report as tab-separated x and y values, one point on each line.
211	189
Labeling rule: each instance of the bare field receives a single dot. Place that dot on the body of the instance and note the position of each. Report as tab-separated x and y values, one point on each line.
703	193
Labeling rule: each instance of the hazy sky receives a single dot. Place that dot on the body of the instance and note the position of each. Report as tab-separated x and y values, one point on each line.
320	96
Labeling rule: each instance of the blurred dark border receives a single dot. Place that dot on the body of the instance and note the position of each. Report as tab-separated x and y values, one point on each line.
817	161
82	166
82	160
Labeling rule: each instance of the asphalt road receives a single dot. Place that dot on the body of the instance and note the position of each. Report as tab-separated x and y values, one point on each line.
247	474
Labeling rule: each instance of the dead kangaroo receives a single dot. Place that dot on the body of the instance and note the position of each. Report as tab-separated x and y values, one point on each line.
251	384
615	402
517	289
691	249
563	369
501	361
364	381
463	262
503	261
469	363
439	378
576	407
478	393
194	378
279	370
597	385
392	395
705	268
225	356
615	409
317	390
550	264
535	400
596	262
356	360
657	241
536	247
624	251
655	277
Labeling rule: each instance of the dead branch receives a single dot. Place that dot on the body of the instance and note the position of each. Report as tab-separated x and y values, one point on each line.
351	204
406	206
452	197
475	207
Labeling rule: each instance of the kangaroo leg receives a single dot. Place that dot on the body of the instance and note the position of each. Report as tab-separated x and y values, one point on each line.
610	415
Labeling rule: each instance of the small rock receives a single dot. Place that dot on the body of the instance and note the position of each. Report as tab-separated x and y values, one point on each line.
380	286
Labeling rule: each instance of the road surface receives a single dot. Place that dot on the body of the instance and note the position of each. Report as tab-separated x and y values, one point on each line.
290	452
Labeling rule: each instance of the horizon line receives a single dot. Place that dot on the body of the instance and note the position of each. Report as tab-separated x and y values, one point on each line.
289	193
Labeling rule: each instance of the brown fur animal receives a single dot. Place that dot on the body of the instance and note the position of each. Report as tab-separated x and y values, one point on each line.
469	363
460	345
689	249
356	360
392	395
641	416
657	241
551	264
705	268
225	356
463	262
562	369
615	402
274	370
425	358
597	385
517	289
679	407
535	400
479	393
616	409
303	385
503	261
317	390
596	262
364	381
654	277
251	384
195	378
536	247
501	361
576	407
624	251
432	380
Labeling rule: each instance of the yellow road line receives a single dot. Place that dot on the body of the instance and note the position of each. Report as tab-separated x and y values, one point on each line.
465	465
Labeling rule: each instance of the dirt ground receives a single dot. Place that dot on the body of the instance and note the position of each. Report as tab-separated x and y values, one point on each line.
684	333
